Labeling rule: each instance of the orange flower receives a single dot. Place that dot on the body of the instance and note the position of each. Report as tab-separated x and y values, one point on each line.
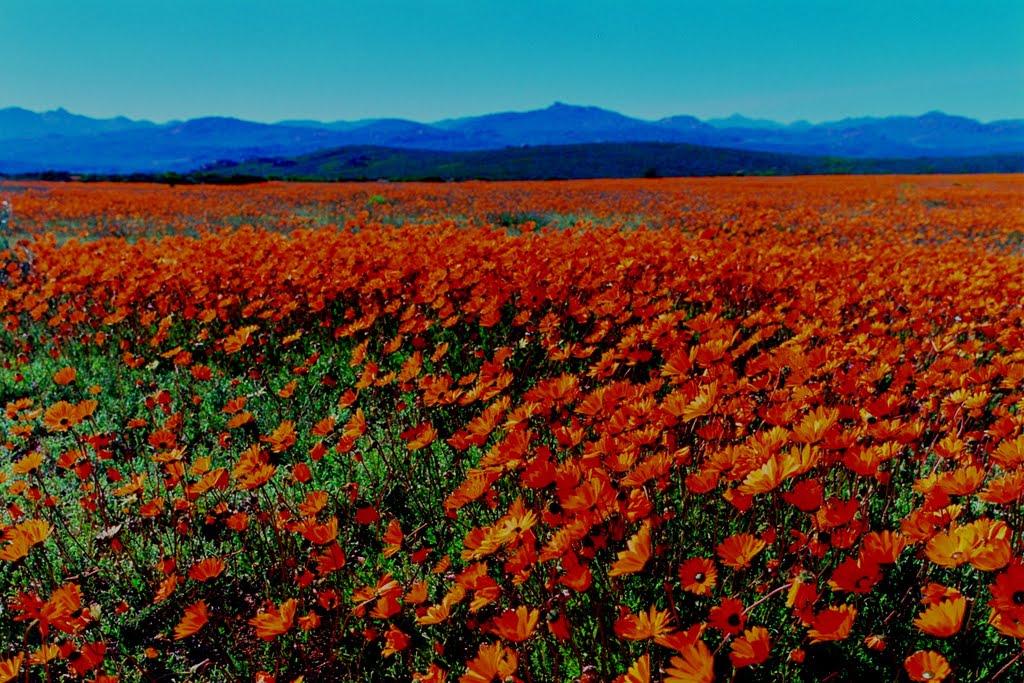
952	548
60	417
392	538
492	661
884	547
993	550
356	425
207	569
309	621
273	622
10	668
927	665
435	614
832	624
417	594
779	467
234	405
253	468
638	551
695	666
367	514
86	657
942	619
238	339
331	560
162	440
65	375
395	640
806	495
282	438
934	593
814	425
320	534
752	648
238	521
64	610
702	404
651	624
1007	624
45	654
28	463
516	626
86	408
639	671
737	551
386	607
167	586
875	642
419	437
195	618
288	389
313	503
324	427
433	674
240	419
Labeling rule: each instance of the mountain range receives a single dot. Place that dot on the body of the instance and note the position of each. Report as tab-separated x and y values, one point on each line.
32	142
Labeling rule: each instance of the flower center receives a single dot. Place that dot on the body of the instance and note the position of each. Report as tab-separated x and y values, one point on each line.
734	620
699	578
927	675
1018	598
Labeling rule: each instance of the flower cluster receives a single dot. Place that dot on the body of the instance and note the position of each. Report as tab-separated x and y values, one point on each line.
660	430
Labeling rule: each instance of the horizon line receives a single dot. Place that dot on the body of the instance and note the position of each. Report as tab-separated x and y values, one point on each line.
554	104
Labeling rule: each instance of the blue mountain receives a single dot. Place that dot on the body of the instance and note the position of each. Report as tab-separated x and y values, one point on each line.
17	123
59	140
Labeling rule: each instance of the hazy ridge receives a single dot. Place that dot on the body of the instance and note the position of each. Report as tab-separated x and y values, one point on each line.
58	140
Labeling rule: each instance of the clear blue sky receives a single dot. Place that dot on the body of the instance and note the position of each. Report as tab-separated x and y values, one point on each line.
331	60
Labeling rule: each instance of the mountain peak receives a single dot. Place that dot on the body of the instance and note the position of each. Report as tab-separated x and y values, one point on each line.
740	121
62	140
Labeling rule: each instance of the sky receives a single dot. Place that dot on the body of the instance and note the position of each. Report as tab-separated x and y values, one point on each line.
343	60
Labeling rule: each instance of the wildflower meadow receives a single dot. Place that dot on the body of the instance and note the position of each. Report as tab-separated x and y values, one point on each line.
679	430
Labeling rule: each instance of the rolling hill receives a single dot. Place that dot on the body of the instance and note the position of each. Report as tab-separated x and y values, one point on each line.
595	160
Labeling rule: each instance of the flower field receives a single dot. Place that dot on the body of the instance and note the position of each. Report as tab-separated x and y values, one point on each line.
732	429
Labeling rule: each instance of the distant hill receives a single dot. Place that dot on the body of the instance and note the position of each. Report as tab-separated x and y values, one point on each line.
177	146
557	125
62	141
597	160
21	124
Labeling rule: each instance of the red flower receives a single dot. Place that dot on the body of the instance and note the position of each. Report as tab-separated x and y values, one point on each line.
855	576
728	617
698	575
753	648
1008	591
